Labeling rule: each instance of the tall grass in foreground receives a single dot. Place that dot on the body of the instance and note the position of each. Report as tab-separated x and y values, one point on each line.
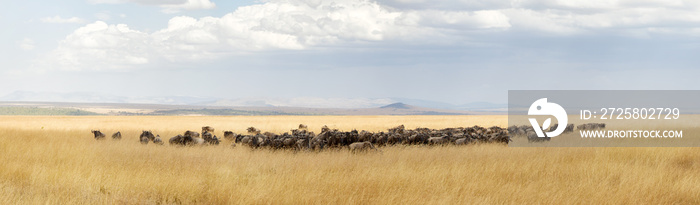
62	164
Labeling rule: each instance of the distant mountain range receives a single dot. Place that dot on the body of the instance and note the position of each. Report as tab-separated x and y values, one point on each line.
296	102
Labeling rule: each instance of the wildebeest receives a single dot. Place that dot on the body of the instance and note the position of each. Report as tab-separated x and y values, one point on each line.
143	140
206	129
255	141
231	136
463	141
569	128
438	140
398	129
289	142
210	138
146	136
157	140
191	133
303	144
591	126
380	138
253	131
98	134
519	130
179	140
532	137
117	136
190	138
319	141
529	132
361	146
418	138
303	127
248	140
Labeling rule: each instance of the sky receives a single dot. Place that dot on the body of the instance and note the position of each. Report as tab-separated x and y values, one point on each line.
453	51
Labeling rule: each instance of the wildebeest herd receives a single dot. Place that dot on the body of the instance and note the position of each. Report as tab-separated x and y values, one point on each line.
303	139
529	132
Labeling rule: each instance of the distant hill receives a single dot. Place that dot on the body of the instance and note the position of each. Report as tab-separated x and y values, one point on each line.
397	106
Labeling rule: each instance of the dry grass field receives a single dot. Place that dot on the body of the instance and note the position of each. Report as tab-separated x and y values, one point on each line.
55	160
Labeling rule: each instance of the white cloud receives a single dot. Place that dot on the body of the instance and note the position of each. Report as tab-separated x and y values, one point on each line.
310	24
59	19
98	46
464	5
285	25
484	19
634	22
567	17
169	6
579	5
27	44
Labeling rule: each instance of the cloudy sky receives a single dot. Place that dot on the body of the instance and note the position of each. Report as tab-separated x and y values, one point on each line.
454	51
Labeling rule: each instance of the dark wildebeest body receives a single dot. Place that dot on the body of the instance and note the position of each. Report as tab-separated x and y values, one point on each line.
303	144
98	135
180	140
463	141
591	126
256	141
253	131
303	127
319	141
569	128
146	136
157	140
438	140
232	136
186	140
532	137
361	146
143	140
247	140
418	138
117	136
289	142
206	129
191	133
209	138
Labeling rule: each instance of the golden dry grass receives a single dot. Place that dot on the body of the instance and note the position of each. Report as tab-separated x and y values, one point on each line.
62	164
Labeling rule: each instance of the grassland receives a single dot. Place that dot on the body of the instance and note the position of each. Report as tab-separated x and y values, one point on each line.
54	160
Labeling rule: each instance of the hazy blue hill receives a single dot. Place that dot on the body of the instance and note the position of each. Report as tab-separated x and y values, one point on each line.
397	106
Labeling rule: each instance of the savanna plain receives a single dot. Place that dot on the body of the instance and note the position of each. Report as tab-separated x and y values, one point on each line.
56	160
